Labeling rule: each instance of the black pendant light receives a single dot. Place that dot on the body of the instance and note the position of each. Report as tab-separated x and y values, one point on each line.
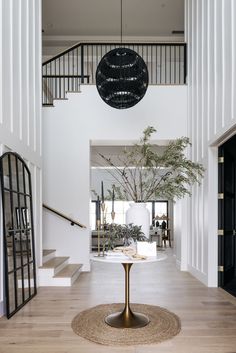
122	77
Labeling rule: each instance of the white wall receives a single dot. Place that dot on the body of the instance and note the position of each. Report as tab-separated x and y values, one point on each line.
68	130
180	232
20	97
211	36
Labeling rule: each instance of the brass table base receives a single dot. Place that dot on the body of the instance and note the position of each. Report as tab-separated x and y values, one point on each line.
127	318
133	320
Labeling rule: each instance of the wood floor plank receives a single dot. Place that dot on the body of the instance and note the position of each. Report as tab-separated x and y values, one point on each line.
208	315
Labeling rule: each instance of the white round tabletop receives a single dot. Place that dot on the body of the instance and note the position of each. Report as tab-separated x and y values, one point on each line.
120	258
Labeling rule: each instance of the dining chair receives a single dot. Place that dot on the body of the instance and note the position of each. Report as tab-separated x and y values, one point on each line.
166	237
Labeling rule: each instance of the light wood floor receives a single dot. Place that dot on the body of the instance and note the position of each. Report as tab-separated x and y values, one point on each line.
208	315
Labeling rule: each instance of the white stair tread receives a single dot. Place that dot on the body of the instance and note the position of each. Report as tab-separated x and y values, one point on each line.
48	251
55	262
68	270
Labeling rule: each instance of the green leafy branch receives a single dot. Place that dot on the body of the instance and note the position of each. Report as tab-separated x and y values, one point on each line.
147	174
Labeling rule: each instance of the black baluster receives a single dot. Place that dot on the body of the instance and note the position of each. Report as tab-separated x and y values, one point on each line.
185	63
82	63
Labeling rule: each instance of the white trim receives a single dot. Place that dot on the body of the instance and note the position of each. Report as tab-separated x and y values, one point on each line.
184	234
212	254
9	139
228	131
181	266
202	277
2	311
178	264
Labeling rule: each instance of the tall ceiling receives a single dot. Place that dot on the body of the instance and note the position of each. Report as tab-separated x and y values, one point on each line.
66	22
71	19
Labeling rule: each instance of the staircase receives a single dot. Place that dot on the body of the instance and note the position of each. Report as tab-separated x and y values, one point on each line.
57	271
67	71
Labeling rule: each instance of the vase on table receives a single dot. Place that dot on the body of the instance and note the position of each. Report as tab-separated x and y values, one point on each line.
139	215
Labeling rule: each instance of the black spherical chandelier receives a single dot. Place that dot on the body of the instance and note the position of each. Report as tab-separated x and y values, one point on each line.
122	77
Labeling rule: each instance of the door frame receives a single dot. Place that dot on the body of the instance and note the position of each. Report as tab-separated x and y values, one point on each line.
213	226
223	233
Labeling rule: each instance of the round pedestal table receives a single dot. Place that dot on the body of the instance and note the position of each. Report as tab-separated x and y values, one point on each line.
127	318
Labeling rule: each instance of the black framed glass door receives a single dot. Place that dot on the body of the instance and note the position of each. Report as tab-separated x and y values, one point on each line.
18	232
227	216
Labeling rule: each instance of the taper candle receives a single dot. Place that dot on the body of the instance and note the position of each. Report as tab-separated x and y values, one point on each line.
102	192
113	199
98	210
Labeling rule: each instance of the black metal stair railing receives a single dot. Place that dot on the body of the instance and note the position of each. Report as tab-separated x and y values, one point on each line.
166	62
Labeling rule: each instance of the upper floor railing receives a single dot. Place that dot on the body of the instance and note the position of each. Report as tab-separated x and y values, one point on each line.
166	62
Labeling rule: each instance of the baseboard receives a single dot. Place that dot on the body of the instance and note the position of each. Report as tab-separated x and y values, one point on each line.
86	267
178	264
2	311
202	277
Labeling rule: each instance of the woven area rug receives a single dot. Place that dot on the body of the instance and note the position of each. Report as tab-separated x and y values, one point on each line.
90	324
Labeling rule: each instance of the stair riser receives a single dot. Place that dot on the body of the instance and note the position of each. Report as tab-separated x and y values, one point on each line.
45	279
54	282
45	275
60	282
49	275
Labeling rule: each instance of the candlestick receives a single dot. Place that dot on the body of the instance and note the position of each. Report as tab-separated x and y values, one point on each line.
113	216
98	233
103	206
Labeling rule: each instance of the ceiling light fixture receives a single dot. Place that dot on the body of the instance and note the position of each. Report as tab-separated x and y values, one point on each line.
122	77
177	32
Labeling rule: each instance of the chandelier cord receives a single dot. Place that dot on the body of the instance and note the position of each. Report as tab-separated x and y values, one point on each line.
121	20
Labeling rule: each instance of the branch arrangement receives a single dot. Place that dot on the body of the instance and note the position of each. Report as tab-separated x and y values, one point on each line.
147	175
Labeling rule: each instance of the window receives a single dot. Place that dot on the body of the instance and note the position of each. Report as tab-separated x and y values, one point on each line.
161	209
156	208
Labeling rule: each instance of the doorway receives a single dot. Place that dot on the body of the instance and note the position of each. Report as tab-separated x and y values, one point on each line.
227	216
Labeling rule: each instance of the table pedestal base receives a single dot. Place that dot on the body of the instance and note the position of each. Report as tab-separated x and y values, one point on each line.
127	320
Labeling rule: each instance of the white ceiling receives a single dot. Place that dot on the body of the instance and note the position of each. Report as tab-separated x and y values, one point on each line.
101	18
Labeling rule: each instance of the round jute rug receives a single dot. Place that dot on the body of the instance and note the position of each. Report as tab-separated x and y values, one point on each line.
90	324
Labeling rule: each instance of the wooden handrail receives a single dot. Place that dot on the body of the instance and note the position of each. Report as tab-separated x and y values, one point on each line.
71	220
